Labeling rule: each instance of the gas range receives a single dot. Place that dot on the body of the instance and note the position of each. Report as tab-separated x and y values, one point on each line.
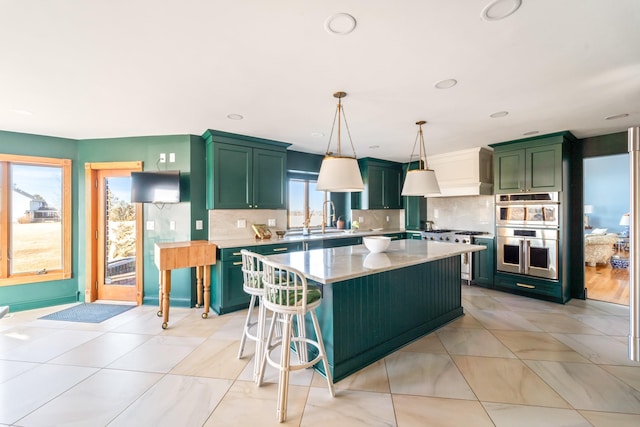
453	236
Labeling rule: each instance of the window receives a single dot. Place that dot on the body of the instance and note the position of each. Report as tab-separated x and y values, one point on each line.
35	219
304	202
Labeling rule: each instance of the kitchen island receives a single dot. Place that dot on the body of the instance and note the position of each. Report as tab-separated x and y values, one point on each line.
375	303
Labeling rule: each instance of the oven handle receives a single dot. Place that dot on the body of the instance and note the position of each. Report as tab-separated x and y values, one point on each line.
527	251
521	265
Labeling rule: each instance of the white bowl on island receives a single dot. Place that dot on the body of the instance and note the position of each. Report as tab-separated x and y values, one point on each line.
376	244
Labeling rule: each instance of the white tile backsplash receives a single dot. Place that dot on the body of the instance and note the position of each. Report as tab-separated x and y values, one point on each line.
377	218
475	213
223	223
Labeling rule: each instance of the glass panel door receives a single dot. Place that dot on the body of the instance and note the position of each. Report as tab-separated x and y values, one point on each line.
117	237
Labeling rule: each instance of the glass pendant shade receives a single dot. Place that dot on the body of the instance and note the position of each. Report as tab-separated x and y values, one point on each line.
420	182
339	174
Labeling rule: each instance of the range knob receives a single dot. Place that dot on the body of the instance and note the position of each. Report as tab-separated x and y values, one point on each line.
457	240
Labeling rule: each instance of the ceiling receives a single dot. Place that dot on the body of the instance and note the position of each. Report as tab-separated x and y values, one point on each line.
118	68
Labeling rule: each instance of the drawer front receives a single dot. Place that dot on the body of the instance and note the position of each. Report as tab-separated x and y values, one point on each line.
279	248
525	285
396	236
233	254
414	236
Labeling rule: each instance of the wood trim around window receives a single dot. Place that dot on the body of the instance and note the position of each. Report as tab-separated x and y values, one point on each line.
67	219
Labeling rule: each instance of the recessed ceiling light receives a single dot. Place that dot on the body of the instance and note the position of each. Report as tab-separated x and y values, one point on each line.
617	116
22	112
340	24
446	84
374	147
499	114
531	132
317	134
235	116
500	9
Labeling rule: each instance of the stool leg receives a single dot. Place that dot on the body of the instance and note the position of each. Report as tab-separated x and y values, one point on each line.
260	342
316	327
283	382
245	329
301	346
267	347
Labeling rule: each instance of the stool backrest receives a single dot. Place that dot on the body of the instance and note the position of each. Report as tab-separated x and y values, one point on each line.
284	287
251	269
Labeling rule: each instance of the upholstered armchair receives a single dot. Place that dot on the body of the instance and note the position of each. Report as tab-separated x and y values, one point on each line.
599	248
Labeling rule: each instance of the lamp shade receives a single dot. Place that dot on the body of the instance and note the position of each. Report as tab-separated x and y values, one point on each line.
624	221
420	182
339	175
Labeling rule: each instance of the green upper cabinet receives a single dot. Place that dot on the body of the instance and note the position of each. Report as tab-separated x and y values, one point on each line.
382	185
531	166
245	172
415	208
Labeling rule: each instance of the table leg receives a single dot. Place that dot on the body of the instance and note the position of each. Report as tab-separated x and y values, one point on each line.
207	290
160	279
166	291
199	286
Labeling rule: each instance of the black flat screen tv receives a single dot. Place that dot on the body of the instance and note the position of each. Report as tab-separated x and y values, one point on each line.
155	187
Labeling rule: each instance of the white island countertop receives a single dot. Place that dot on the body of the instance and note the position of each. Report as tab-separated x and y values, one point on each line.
337	264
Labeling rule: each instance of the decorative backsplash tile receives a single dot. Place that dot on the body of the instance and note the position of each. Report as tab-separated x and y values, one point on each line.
223	223
379	218
475	213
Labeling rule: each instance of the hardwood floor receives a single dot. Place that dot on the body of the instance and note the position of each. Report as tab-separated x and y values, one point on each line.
604	283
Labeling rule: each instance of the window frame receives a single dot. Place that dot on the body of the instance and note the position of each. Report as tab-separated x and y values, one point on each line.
307	180
6	278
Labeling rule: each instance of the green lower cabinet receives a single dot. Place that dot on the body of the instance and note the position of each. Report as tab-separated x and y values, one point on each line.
346	241
484	262
414	235
279	248
550	290
227	294
396	236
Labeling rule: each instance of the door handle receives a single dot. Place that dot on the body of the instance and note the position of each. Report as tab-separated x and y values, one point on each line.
521	263
527	263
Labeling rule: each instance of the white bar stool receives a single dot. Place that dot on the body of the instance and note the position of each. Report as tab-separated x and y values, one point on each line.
252	285
286	294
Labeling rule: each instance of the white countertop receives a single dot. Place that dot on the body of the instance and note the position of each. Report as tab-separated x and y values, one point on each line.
291	238
337	264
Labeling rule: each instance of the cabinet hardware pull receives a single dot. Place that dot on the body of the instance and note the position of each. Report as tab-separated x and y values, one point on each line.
236	253
522	285
279	249
237	263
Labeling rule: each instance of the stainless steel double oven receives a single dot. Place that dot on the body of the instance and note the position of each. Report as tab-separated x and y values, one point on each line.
527	230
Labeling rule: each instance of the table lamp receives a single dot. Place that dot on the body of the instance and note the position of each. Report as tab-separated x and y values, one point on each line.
624	221
588	209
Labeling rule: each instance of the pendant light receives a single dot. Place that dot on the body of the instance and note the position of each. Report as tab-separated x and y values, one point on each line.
421	181
339	173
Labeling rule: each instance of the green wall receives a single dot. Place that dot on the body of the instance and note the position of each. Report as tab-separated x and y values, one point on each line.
190	160
34	295
187	149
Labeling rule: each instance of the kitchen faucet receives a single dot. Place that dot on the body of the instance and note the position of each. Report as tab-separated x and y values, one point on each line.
324	213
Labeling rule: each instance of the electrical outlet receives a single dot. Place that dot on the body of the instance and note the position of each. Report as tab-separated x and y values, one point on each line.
271	222
172	157
163	157
151	225
242	223
172	225
199	224
387	218
360	220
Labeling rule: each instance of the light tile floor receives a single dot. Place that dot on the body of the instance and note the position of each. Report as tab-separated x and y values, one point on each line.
510	361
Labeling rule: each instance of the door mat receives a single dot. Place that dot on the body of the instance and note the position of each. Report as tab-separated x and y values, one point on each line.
88	313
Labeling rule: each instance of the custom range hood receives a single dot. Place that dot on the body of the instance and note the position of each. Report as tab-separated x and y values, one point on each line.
464	173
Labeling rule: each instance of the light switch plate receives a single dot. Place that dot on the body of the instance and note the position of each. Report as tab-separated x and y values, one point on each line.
172	225
172	157
360	219
199	224
272	222
242	223
151	225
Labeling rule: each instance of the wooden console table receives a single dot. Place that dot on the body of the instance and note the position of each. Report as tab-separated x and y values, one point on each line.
169	256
